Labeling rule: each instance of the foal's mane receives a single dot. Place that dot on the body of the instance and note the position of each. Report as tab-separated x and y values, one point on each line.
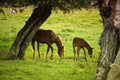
88	46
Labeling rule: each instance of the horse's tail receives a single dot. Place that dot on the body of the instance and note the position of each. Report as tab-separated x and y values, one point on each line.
32	44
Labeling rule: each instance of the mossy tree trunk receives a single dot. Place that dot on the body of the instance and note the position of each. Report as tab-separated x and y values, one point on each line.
25	35
109	40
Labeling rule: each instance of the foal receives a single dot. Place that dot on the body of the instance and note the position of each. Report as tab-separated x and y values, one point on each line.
81	43
48	37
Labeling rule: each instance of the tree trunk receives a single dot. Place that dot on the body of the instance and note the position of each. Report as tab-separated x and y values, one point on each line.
25	35
114	73
110	39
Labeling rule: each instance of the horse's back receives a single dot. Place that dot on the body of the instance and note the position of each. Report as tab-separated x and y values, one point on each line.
44	36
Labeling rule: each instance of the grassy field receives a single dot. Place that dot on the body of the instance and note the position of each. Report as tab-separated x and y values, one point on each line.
84	24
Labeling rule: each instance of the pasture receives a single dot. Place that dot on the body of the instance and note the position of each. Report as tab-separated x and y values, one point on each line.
84	24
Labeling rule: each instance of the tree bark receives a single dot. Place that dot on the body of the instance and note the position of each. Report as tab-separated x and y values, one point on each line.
25	35
110	39
114	73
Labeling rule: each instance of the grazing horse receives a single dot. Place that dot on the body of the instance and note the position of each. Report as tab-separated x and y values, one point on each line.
13	10
48	37
1	11
81	43
21	10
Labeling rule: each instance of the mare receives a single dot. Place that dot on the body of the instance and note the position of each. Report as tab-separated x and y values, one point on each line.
47	37
81	43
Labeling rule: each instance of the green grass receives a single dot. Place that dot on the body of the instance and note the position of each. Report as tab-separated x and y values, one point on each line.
41	69
84	24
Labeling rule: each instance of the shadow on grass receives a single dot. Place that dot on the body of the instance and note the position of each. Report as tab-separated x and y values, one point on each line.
3	55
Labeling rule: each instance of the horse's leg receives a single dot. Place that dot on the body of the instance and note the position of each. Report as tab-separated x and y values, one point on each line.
51	57
38	49
33	48
78	52
48	48
84	54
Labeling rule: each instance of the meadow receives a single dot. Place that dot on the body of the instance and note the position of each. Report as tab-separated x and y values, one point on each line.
85	24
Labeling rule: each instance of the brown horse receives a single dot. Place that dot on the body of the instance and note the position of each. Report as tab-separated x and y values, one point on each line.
48	37
81	43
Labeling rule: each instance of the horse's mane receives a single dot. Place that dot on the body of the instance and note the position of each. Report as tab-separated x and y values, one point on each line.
58	41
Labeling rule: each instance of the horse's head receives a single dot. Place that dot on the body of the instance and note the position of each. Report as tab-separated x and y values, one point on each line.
90	51
61	52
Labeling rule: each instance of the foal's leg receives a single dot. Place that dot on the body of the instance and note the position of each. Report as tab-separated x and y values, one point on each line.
84	54
74	53
78	52
38	50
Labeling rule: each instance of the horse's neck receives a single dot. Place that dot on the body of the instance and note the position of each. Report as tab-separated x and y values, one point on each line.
88	46
58	42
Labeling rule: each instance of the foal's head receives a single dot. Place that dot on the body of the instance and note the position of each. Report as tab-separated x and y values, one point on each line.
90	51
61	51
